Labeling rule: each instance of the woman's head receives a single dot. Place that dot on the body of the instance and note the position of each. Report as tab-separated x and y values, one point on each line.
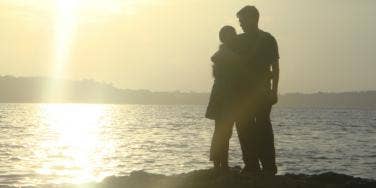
227	34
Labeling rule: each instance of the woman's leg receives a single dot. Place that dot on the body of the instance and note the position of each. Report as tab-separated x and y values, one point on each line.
220	143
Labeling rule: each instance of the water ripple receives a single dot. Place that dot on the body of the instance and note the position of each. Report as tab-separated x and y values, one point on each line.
43	144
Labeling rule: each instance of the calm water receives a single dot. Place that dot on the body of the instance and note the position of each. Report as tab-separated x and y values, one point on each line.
73	143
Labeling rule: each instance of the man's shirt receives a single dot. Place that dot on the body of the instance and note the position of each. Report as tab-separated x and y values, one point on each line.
261	50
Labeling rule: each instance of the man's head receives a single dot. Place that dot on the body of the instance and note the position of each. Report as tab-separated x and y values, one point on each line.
248	18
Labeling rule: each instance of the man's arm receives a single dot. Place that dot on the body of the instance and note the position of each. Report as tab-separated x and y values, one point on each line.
274	55
274	80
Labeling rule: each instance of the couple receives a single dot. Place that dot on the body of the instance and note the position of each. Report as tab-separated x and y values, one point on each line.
246	71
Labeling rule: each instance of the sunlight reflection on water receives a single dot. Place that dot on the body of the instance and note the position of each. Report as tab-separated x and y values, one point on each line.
73	147
73	143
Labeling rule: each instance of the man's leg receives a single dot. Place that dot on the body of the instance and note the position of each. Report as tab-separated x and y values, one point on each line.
245	130
265	139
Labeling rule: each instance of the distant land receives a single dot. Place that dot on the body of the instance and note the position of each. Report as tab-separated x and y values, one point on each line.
47	90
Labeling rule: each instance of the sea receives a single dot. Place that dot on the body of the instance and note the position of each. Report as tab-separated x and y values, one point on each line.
77	143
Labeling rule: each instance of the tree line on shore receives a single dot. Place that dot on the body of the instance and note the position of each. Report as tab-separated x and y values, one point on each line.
42	89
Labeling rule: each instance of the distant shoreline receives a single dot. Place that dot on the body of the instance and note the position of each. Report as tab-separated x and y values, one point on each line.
45	90
204	105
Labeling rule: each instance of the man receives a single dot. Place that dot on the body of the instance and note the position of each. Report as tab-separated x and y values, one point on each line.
255	131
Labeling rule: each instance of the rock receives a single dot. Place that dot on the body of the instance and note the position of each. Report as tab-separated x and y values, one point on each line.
233	179
207	179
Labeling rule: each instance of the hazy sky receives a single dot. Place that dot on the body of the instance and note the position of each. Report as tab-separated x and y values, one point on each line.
325	45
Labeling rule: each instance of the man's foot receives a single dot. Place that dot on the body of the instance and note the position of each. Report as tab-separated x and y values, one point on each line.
250	172
269	173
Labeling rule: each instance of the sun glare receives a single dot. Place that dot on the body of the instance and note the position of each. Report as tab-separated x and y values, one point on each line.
66	21
65	24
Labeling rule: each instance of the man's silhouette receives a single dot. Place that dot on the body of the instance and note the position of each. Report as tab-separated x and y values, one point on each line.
255	129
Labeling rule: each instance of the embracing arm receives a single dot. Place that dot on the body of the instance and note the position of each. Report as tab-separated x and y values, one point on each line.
224	54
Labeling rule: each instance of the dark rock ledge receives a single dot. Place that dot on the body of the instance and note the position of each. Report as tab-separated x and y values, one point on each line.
207	179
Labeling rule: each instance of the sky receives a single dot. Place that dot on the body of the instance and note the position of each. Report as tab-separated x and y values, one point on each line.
165	45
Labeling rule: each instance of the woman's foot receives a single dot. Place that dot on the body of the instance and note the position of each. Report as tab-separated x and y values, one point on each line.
225	168
217	164
216	168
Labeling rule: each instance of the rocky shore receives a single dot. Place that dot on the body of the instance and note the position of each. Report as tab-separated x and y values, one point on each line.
207	179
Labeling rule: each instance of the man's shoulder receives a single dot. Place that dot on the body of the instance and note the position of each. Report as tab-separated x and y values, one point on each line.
266	35
270	44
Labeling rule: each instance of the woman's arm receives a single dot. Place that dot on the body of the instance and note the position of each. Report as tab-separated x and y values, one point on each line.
226	55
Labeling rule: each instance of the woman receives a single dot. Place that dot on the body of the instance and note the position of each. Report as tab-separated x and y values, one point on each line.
229	72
